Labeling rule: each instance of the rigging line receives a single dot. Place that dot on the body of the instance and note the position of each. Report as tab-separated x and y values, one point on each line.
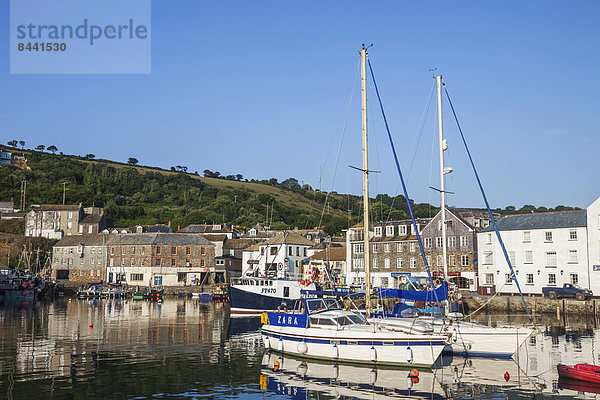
419	132
412	216
514	276
337	157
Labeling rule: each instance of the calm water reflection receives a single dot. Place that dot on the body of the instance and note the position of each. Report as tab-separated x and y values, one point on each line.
185	349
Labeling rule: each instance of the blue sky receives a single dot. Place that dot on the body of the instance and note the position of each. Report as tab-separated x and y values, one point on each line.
261	88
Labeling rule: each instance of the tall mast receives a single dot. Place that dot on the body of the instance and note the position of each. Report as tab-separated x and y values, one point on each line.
443	145
363	78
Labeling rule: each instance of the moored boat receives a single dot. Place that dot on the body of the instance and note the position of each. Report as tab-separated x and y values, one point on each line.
583	372
250	295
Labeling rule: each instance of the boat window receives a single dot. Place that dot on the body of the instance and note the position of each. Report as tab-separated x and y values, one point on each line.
357	319
316	305
322	321
344	320
332	303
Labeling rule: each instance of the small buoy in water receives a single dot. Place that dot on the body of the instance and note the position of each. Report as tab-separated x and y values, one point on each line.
91	326
460	302
414	373
414	379
506	376
24	293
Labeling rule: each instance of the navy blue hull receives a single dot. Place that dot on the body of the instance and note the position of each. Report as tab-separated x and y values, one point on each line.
252	301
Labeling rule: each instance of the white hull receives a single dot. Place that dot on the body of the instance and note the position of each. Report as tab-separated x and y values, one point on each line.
469	338
358	345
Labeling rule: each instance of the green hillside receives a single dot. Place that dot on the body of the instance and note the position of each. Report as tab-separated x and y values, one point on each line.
134	194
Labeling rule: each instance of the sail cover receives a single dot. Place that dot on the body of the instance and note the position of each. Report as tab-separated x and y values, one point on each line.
417	295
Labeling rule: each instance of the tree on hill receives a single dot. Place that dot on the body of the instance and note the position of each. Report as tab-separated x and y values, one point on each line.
90	156
12	143
22	143
132	161
52	148
40	147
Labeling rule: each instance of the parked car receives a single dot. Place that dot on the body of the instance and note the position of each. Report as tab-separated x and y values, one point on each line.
568	290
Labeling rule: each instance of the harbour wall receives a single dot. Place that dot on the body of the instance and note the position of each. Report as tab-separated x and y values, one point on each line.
537	305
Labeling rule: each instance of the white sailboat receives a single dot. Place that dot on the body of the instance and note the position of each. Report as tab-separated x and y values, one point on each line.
320	329
467	338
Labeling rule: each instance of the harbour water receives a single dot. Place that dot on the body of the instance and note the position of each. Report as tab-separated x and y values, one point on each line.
182	348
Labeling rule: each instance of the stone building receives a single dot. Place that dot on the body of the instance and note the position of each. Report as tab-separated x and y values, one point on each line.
394	253
57	221
162	259
462	227
80	259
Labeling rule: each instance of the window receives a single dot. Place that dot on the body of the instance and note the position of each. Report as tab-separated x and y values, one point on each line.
80	228
69	225
412	246
112	251
399	263
111	262
305	252
387	247
188	262
89	228
132	262
157	263
203	251
374	263
451	260
143	250
389	230
158	250
122	262
529	279
489	238
377	231
359	248
173	262
489	279
188	251
488	257
412	229
402	229
173	250
273	251
526	236
132	250
439	261
142	262
439	242
528	256
399	248
572	256
448	225
136	277
574	279
451	241
548	236
202	262
551	279
511	257
428	242
70	214
290	251
508	278
413	262
464	241
551	259
386	263
374	248
572	234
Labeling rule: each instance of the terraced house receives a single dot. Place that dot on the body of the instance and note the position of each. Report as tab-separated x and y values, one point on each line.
162	259
80	259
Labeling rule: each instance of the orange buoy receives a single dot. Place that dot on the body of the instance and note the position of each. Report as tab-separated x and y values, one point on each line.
91	326
414	373
506	376
414	379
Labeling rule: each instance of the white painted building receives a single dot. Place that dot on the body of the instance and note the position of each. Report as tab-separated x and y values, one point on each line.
593	234
545	249
281	256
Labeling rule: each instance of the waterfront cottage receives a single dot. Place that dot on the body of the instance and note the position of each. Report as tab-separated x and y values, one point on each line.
80	259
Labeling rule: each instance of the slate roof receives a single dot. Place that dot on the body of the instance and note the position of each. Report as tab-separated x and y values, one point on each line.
86	240
549	220
205	228
290	238
7	204
58	207
241	243
215	237
92	219
159	238
335	254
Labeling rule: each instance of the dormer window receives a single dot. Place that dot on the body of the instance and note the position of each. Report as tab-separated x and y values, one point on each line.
402	229
378	231
389	230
